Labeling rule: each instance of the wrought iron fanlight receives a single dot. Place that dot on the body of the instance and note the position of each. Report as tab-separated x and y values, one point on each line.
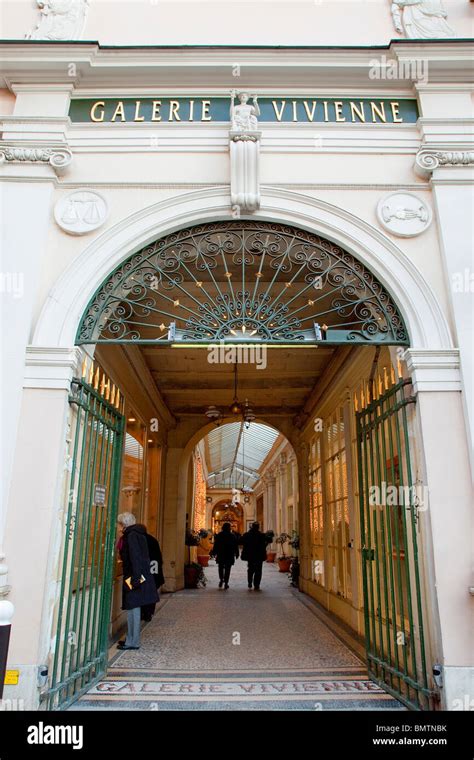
242	282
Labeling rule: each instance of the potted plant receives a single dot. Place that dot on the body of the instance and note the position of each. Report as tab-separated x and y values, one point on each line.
203	548
284	561
269	537
193	572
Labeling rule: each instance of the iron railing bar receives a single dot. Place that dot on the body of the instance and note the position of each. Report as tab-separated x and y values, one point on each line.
393	422
368	559
415	562
95	632
373	517
92	392
393	625
377	432
83	573
76	533
93	580
413	683
407	555
360	470
104	614
68	544
103	529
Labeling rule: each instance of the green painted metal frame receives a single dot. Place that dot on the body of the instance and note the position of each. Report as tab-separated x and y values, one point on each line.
393	606
85	585
242	281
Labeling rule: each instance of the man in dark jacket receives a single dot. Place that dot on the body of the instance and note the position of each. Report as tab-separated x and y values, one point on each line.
138	587
254	552
226	551
156	567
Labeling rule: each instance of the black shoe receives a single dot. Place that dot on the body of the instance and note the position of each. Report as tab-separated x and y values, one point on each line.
250	587
221	583
257	588
124	646
226	586
121	643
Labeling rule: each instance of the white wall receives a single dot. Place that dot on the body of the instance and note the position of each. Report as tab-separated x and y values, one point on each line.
233	22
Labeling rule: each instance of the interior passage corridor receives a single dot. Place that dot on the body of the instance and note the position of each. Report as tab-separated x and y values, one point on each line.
239	650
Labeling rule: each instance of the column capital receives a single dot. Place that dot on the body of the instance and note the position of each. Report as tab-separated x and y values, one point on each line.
59	157
430	158
434	369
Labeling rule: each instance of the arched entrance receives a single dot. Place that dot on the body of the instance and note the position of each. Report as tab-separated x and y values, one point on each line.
225	511
242	281
250	285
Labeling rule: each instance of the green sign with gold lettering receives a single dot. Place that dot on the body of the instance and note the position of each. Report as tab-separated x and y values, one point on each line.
216	109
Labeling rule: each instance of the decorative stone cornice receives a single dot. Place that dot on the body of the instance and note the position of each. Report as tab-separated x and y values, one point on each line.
59	157
429	159
51	367
434	370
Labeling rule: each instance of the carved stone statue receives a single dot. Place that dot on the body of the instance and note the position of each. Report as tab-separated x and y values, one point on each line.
421	19
60	20
243	117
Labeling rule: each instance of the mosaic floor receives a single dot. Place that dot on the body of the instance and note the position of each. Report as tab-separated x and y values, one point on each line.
212	649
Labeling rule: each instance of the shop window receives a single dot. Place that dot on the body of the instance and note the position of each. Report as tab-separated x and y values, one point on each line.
337	505
316	512
132	488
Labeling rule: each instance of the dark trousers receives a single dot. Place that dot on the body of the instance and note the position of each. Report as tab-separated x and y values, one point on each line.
254	573
224	572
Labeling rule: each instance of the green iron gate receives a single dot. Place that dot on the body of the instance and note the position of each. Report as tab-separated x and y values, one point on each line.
389	516
85	581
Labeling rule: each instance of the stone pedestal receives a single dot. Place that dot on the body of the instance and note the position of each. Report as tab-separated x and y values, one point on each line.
245	170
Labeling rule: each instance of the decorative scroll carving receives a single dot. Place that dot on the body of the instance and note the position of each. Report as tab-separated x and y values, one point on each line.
429	159
59	158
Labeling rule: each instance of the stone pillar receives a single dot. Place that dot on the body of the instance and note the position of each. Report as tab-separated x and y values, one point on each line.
33	150
283	493
245	170
302	454
36	503
447	159
446	526
270	482
174	519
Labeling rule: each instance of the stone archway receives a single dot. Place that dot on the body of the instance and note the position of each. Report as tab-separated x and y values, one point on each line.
223	512
59	319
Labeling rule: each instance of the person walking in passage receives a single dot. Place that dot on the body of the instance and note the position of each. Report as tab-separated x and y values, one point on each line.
138	588
254	552
226	551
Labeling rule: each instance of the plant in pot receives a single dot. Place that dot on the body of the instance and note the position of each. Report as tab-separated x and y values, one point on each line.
203	548
284	561
193	571
269	538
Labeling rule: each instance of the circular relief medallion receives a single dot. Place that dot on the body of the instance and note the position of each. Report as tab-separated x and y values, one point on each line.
81	212
404	214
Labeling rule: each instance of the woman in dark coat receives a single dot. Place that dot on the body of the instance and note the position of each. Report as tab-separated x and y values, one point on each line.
226	551
138	588
156	566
